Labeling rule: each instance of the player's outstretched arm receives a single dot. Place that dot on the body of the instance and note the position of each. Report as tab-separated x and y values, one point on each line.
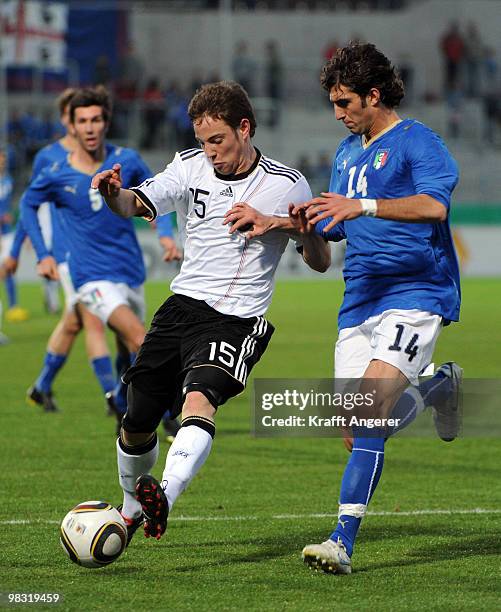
419	208
122	202
247	219
316	250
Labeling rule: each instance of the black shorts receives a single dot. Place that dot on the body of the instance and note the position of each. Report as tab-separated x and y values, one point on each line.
188	336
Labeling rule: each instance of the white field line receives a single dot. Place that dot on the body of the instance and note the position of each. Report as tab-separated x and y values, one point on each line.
281	517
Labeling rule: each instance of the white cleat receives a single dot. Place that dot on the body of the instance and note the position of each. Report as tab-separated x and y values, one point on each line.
330	557
447	414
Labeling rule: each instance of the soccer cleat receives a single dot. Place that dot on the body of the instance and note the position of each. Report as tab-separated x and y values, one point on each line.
42	398
155	507
17	314
171	427
330	556
447	413
3	339
131	524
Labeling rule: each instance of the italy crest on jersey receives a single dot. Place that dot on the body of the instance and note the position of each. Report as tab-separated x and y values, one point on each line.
381	158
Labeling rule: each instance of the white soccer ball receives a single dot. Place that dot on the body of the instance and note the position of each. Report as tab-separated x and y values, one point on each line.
93	534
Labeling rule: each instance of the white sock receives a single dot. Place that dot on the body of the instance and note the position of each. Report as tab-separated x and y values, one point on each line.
187	454
130	467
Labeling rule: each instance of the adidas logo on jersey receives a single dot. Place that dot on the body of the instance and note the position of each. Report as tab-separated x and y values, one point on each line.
70	189
228	192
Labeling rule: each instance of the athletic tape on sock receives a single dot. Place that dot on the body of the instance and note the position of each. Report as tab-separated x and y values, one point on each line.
356	510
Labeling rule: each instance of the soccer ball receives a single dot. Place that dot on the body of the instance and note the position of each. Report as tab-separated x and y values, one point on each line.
93	534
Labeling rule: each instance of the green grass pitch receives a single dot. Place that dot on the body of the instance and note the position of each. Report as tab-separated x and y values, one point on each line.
236	534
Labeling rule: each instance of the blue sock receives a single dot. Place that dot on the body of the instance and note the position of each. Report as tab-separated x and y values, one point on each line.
11	288
408	407
433	389
120	393
51	366
103	370
360	479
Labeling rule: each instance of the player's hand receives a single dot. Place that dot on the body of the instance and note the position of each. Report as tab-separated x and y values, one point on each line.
297	215
47	267
171	252
247	219
331	205
10	265
109	182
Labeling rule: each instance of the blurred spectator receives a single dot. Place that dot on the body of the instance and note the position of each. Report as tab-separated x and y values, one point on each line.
195	83
304	166
153	113
244	67
490	67
130	75
474	51
102	71
453	50
273	80
179	120
454	101
323	170
330	50
406	71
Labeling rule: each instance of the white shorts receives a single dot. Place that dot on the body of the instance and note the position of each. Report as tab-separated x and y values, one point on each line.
70	295
403	338
103	297
6	241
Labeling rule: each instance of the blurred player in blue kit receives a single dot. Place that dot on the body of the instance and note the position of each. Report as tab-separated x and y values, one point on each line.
101	251
389	197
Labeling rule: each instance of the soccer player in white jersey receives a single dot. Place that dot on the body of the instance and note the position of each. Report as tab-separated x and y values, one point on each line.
204	340
389	197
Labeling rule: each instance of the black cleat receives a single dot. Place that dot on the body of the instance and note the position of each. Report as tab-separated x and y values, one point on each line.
152	498
42	398
131	524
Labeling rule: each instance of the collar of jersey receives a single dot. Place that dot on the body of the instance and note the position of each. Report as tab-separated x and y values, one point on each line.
241	175
367	144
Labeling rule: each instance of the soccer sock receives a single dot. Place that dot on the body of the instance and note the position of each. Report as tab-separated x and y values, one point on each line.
187	454
11	288
122	364
51	366
435	388
133	461
103	370
408	407
360	479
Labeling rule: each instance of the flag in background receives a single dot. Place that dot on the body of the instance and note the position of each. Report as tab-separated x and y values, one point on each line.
33	33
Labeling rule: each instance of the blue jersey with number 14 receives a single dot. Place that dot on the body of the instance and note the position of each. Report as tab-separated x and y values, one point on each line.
391	264
102	245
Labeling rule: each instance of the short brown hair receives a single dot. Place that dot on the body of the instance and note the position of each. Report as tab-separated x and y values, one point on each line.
362	67
224	100
91	96
64	99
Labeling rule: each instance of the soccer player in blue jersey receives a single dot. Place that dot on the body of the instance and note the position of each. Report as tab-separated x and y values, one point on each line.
389	197
105	261
70	324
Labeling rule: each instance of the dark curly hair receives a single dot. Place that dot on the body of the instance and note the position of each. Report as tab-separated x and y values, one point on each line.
91	96
361	67
224	100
